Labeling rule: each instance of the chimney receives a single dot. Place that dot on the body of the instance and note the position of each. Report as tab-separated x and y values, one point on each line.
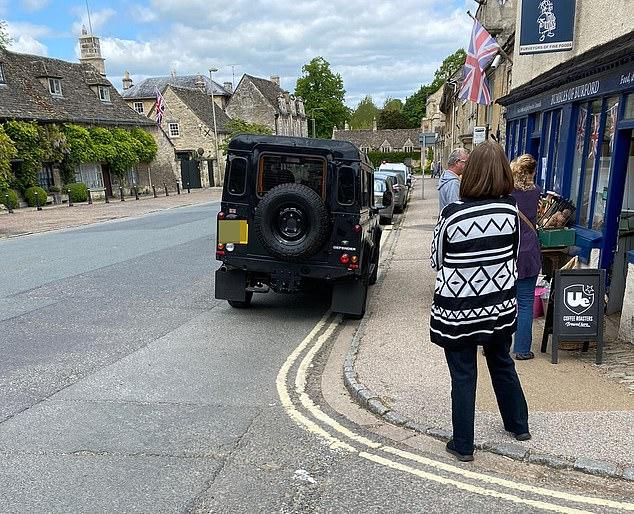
275	79
200	83
374	124
127	81
228	86
90	51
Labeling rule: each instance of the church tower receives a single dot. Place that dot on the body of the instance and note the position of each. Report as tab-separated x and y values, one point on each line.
90	51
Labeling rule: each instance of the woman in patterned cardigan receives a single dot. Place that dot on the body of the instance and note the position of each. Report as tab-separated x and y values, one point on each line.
474	252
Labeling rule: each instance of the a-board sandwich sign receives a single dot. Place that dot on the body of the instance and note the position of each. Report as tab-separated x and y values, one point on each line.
578	297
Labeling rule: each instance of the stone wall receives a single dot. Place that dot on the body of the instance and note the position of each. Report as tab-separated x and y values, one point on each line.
194	134
248	104
164	168
596	23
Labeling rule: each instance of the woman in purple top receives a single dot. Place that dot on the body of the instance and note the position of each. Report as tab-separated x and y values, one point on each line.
529	264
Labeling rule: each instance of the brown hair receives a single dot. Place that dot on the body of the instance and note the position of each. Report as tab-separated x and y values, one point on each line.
487	173
523	168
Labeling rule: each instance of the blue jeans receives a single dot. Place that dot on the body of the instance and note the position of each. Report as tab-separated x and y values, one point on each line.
525	299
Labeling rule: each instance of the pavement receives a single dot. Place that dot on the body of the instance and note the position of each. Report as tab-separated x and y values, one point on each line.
28	220
581	414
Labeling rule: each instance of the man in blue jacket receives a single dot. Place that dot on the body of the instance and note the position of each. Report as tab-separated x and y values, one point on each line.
449	183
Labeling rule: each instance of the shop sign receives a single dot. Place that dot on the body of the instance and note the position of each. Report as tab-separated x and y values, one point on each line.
576	312
547	26
479	135
575	93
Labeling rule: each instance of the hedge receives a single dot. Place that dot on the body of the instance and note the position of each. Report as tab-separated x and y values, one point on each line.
78	191
13	201
378	157
29	196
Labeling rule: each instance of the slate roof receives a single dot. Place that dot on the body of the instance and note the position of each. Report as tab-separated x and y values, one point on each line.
375	138
270	90
25	94
200	105
147	88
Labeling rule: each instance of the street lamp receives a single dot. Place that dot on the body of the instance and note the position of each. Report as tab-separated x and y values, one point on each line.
312	111
213	109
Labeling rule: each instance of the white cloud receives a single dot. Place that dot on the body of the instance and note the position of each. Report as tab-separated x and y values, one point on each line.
24	37
34	5
384	49
98	19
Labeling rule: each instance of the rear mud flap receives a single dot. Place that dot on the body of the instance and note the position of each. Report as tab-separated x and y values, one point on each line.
231	284
349	297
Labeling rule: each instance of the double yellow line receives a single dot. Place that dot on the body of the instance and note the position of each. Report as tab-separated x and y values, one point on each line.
330	431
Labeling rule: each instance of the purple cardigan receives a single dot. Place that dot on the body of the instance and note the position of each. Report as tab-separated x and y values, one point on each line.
529	261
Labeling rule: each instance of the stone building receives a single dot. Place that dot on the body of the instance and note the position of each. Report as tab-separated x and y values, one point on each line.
264	102
188	122
434	123
142	97
46	90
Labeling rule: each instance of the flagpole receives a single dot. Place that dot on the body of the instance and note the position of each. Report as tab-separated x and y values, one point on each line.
506	56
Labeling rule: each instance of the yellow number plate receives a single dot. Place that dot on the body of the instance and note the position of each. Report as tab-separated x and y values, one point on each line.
233	231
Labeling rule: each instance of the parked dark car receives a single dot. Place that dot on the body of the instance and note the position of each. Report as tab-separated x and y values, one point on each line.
381	186
296	210
399	189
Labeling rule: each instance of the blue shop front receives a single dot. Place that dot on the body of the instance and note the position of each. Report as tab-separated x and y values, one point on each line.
577	120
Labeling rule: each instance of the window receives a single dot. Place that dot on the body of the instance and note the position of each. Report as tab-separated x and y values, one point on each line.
104	93
138	107
408	149
594	115
55	87
277	169
237	179
2	81
174	130
90	174
581	129
345	185
45	176
629	105
556	178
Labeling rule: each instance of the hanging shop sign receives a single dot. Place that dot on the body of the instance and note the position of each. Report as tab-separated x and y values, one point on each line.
547	26
576	308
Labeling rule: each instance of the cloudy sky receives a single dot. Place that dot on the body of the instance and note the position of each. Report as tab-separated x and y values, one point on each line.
382	48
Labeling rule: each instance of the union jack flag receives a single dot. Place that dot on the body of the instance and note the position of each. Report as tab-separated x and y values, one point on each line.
594	136
613	113
482	50
160	107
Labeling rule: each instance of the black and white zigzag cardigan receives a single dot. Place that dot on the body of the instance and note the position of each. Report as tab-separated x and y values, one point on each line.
474	251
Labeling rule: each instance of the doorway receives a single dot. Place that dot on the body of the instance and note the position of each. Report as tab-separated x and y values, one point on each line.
107	182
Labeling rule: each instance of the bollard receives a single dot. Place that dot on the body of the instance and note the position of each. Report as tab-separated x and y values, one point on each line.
136	193
178	188
188	189
89	197
154	191
121	193
166	191
105	196
70	200
37	201
8	203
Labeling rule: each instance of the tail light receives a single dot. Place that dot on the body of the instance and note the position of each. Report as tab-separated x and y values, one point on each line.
356	229
344	259
221	215
354	259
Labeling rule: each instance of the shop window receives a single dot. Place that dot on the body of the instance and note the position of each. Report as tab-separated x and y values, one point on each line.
522	143
542	164
538	123
587	179
555	183
604	147
581	129
629	107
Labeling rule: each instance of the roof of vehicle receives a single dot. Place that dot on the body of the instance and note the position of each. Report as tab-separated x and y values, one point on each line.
396	166
388	173
340	149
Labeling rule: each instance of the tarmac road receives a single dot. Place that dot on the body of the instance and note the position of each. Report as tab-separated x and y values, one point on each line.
125	387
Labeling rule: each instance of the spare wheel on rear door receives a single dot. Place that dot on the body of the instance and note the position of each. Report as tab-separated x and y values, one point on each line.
291	222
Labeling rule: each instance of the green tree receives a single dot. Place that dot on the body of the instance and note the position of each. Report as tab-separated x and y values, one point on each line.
393	104
323	94
364	115
389	119
148	148
448	67
237	126
5	40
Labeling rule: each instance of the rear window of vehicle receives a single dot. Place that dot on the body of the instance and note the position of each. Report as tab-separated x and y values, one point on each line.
379	186
277	169
345	185
237	180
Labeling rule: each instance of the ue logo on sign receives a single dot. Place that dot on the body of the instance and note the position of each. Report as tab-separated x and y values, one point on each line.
579	298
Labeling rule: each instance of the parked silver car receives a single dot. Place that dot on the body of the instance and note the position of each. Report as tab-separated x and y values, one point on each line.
381	186
399	188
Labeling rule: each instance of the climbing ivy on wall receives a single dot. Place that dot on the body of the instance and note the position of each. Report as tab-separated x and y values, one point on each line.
7	152
26	138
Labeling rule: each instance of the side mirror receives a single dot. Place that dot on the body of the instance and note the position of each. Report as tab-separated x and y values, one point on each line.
387	199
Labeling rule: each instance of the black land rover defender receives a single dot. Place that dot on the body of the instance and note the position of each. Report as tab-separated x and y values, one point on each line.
296	210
